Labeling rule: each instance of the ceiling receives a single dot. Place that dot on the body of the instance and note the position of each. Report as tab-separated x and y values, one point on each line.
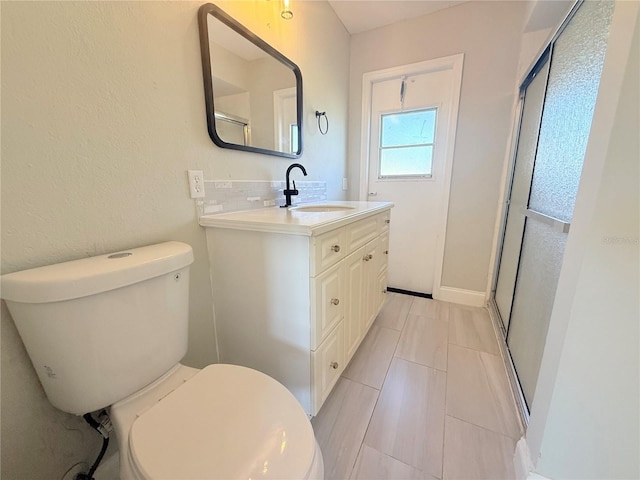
362	15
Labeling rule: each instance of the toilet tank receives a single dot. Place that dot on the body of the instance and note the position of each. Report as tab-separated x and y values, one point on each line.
99	329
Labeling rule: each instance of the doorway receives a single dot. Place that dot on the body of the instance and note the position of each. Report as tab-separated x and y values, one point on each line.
409	121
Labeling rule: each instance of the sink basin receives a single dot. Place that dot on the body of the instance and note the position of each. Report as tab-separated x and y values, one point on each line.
321	208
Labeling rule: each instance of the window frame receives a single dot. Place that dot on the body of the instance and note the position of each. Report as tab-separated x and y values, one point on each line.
434	108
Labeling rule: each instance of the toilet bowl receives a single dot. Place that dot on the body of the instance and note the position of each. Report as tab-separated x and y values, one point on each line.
221	422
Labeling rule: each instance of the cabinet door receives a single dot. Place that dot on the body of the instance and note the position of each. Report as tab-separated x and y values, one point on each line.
382	290
328	364
371	271
327	300
354	314
383	258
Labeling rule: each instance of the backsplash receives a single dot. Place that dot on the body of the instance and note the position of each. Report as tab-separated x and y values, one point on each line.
230	196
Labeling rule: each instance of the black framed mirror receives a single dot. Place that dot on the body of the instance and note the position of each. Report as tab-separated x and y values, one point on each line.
253	93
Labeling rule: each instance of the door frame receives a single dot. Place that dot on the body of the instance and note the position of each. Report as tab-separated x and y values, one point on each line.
279	97
454	63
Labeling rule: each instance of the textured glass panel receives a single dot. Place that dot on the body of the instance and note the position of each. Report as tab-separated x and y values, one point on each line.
576	66
408	128
540	261
523	170
407	161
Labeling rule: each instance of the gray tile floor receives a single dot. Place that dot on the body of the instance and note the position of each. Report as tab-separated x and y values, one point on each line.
426	396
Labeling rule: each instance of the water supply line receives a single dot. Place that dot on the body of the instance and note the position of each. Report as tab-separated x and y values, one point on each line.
104	428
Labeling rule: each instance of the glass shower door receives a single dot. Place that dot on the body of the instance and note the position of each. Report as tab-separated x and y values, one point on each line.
533	98
529	272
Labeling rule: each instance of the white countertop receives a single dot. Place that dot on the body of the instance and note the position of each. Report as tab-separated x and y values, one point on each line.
292	221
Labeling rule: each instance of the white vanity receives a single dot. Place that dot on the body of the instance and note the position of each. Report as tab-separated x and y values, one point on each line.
296	290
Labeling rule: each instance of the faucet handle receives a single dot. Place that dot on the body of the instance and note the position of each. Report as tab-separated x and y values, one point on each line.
293	191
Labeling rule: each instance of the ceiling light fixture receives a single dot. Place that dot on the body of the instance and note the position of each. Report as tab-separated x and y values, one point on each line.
286	12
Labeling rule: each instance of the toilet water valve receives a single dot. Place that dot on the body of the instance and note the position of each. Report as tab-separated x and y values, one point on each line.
105	427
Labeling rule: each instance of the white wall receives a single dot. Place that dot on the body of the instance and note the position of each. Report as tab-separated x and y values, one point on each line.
543	19
585	420
102	114
488	33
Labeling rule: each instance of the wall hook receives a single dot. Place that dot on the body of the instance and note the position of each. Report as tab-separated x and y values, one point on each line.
320	115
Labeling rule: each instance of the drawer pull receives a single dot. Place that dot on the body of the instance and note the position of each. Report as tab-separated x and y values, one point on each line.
386	252
334	365
387	221
335	301
335	248
366	258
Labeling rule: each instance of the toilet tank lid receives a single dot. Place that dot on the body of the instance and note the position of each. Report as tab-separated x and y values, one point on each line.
89	276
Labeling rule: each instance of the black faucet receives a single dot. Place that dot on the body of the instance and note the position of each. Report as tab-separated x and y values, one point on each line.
288	192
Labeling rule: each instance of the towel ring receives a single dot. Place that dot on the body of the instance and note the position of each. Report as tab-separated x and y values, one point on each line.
320	115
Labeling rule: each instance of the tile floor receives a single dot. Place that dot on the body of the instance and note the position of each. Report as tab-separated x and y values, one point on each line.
426	396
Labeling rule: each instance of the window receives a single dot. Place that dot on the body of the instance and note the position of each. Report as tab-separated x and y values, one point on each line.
407	143
293	138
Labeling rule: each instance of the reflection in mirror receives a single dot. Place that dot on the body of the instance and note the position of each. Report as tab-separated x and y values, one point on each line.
253	93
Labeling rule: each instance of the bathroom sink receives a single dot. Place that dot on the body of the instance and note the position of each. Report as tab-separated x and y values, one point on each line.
321	208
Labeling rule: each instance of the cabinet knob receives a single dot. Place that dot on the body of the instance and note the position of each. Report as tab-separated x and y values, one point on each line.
334	365
335	248
335	301
366	258
386	252
387	221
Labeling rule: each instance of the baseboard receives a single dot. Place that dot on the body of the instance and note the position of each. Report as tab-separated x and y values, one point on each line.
522	465
470	298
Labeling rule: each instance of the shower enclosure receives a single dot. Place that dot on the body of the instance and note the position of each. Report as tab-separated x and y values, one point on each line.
557	100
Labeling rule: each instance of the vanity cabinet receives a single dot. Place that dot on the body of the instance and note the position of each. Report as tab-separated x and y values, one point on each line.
297	306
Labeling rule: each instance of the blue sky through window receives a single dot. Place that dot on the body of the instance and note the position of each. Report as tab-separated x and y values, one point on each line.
407	142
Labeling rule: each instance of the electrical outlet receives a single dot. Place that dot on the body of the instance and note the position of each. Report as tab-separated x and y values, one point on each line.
196	183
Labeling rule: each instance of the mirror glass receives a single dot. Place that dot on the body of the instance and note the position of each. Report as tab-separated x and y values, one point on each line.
253	93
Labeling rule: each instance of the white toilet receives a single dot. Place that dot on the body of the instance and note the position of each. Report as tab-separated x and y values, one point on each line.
110	331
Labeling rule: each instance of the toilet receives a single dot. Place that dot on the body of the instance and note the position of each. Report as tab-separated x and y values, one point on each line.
109	332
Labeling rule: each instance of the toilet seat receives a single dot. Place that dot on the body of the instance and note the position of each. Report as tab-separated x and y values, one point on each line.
225	422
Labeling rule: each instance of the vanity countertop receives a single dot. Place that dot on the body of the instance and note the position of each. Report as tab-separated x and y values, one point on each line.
295	222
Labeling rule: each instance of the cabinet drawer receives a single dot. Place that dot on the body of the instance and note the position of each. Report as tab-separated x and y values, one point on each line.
327	301
327	364
362	232
384	220
327	250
